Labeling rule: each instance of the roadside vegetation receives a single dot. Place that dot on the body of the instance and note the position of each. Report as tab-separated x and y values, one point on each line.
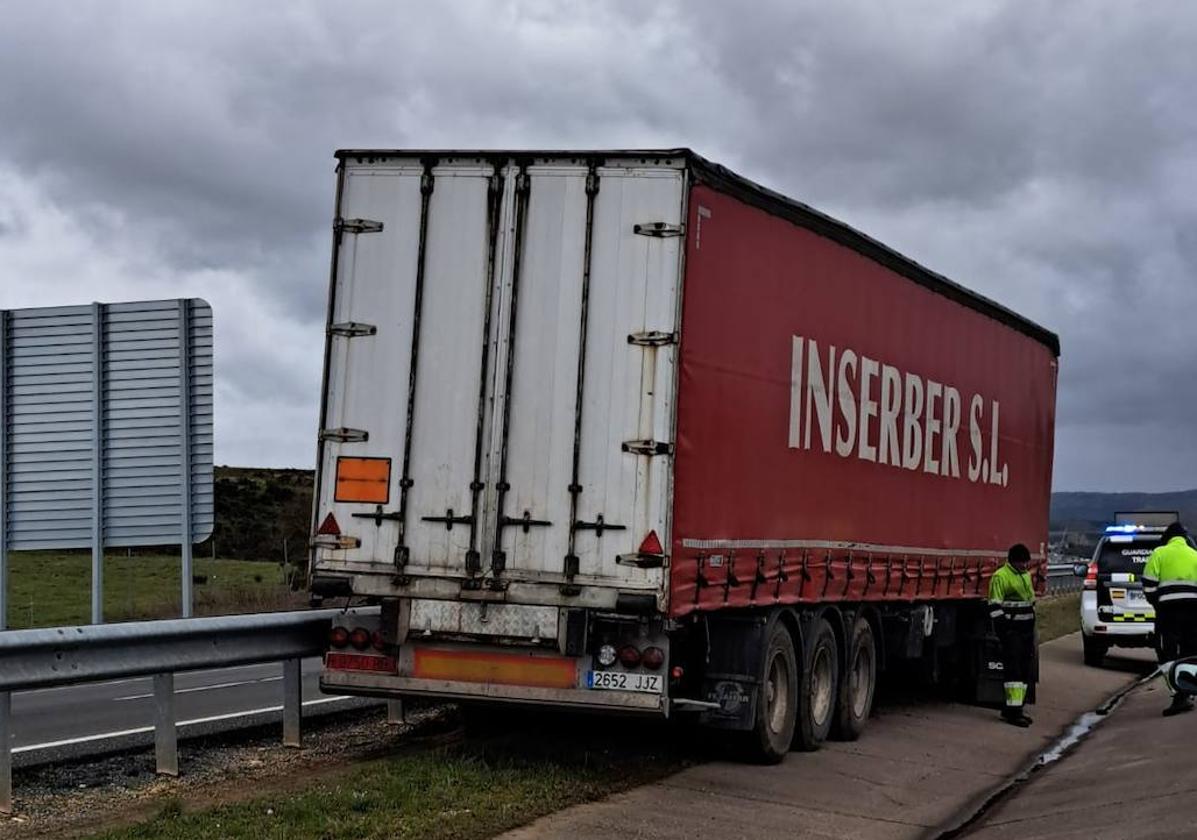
456	793
254	561
50	589
1058	616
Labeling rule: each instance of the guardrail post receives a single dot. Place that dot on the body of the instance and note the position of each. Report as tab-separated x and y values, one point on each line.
395	715
166	737
5	752
292	703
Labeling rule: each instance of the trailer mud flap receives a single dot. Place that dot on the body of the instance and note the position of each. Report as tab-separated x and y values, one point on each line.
732	679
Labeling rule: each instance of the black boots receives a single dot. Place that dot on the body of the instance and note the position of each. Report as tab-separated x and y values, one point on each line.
1016	717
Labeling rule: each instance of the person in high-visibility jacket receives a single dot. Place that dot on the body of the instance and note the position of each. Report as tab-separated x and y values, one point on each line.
1170	584
1012	608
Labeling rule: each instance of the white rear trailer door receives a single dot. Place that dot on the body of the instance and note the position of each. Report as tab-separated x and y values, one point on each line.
519	286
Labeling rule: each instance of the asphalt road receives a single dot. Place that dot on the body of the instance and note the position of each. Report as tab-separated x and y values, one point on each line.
92	718
1134	778
920	766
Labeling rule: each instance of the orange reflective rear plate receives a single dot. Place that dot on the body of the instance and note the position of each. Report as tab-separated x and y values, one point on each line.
363	480
498	668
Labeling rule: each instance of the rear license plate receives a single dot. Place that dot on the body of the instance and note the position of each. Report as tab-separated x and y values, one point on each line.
616	681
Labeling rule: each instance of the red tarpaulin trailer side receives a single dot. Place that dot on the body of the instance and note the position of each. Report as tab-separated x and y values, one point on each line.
843	432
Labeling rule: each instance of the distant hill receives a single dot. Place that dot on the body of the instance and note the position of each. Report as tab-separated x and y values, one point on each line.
1090	511
257	509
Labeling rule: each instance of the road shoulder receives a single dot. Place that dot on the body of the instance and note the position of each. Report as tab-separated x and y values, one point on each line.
916	768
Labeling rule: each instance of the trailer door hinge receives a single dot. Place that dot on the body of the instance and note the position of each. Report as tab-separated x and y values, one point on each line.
659	229
344	435
356	226
652	338
648	447
352	329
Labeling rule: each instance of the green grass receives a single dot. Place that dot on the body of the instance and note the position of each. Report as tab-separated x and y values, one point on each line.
48	589
456	794
1058	616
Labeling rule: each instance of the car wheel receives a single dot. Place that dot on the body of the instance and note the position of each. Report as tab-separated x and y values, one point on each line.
1095	650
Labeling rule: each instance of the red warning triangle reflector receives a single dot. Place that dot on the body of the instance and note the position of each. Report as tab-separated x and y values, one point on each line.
651	544
329	527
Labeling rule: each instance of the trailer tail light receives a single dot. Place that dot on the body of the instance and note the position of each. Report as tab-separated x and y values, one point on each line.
1091	576
650	554
329	535
329	527
338	637
651	545
677	673
607	655
629	657
360	638
652	658
377	640
360	662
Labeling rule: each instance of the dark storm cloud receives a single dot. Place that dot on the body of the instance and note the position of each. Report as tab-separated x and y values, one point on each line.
1043	154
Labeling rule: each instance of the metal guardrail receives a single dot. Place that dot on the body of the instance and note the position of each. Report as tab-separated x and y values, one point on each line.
62	656
1061	579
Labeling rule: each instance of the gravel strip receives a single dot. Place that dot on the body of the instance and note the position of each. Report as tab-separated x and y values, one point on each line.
76	798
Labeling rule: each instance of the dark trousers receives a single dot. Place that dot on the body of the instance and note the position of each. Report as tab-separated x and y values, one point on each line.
1176	630
1018	655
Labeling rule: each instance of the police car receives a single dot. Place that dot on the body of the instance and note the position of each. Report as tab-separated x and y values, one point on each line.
1114	610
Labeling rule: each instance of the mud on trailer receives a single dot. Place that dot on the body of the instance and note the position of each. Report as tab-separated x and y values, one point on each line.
625	431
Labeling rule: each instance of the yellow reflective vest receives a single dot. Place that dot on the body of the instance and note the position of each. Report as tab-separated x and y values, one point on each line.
1011	595
1171	573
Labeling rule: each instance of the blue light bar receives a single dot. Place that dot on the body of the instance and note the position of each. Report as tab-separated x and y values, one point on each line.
1134	529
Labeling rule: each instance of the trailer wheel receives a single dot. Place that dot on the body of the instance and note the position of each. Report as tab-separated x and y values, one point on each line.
818	687
773	727
858	683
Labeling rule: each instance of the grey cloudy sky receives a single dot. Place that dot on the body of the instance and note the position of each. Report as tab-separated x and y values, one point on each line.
1044	154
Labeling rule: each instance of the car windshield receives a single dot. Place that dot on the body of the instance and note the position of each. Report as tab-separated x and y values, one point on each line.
1122	557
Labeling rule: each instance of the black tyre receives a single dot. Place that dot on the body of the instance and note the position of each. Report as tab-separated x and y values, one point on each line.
818	688
857	684
1095	650
776	710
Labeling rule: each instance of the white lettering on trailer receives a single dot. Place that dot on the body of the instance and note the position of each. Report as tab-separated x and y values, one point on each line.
887	416
846	442
868	408
891	407
912	438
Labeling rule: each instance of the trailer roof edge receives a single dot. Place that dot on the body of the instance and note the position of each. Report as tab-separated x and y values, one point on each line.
803	215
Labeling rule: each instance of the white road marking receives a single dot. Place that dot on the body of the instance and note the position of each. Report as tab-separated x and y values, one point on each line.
144	729
212	687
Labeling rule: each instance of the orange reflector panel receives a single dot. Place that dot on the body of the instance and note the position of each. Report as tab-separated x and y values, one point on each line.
498	668
359	662
363	480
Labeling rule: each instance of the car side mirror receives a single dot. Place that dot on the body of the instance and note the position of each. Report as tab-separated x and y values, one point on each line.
1183	675
1080	569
